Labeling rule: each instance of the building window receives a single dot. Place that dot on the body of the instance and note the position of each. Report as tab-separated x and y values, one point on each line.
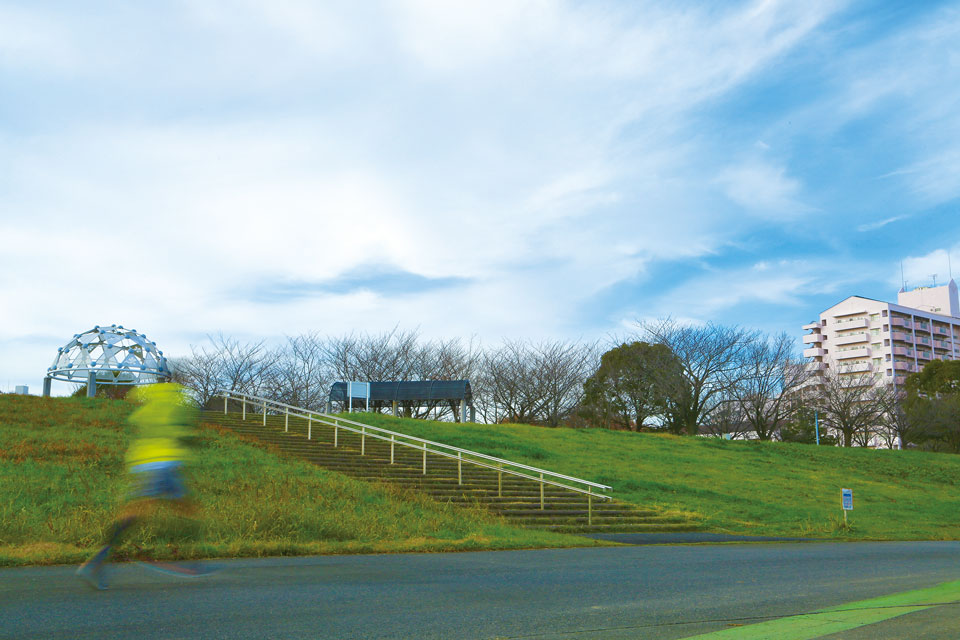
884	313
886	342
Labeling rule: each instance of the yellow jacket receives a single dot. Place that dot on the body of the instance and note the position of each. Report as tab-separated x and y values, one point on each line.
162	422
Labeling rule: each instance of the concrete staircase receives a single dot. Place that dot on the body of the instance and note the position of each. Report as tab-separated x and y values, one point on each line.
517	500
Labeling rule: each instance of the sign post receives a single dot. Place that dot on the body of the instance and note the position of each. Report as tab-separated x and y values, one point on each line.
847	498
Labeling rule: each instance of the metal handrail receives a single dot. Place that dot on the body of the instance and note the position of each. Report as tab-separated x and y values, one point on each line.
543	477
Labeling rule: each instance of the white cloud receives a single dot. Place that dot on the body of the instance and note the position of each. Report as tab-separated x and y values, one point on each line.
920	270
872	226
540	151
763	189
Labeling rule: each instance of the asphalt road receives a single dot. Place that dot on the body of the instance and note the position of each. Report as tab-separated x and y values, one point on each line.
623	592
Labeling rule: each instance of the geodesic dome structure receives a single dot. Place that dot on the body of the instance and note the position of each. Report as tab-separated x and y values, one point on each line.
113	354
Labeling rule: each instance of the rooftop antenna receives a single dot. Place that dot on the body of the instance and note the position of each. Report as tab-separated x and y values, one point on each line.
903	282
934	276
949	266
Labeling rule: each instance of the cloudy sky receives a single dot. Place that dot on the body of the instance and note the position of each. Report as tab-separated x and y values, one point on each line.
491	169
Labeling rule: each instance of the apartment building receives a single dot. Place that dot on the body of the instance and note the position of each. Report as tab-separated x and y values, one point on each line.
860	335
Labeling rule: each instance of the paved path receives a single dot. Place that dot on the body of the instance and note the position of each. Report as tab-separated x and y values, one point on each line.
622	592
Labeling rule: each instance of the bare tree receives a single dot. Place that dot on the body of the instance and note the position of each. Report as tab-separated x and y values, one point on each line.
510	379
562	368
225	364
851	404
533	382
387	356
710	357
762	387
301	375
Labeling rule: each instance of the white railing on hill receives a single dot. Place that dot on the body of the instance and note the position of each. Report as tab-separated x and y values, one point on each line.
501	466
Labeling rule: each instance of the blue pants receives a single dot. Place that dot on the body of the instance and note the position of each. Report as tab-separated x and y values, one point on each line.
157	480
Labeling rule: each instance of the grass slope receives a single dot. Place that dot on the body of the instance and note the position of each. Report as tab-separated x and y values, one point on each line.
62	480
755	488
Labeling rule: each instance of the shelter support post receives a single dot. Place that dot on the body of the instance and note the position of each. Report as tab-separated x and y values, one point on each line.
264	413
92	384
243	416
46	387
396	409
286	420
463	410
473	413
225	404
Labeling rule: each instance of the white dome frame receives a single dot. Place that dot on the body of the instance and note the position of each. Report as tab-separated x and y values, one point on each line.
109	355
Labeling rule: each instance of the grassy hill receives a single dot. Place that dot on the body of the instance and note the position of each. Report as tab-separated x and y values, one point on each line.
755	488
62	479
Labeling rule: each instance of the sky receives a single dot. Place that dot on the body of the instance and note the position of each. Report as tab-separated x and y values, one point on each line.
539	170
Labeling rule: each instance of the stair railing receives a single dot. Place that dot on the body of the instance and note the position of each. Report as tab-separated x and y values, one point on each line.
501	466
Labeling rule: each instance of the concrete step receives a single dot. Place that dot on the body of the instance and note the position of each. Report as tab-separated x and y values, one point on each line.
517	500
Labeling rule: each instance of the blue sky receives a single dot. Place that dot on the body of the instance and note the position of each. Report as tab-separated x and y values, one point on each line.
492	169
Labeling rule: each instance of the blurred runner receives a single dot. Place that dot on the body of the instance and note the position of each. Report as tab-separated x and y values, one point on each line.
164	430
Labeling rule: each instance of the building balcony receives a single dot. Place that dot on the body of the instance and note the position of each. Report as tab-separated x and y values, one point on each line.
852	323
815	366
900	322
940	344
811	326
899	380
903	351
812	338
861	352
941	331
812	353
923	355
901	337
852	339
856	368
903	366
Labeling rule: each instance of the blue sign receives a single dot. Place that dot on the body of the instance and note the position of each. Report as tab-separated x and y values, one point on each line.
847	499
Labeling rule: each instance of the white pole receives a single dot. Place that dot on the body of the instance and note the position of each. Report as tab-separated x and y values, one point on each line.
286	420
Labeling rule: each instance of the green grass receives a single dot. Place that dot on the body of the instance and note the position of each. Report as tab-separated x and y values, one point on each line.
754	488
62	481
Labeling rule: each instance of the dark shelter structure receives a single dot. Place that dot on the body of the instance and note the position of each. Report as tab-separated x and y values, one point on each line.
409	395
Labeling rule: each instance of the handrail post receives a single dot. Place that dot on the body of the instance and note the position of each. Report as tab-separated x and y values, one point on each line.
500	480
264	413
286	420
309	426
244	408
225	405
424	458
363	441
590	508
541	492
391	448
335	431
459	468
